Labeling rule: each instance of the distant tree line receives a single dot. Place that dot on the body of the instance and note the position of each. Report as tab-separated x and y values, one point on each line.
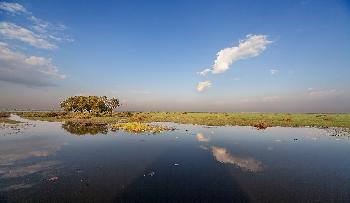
91	104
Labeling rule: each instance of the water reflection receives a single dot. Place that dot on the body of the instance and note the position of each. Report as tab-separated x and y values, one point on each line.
248	164
83	128
202	138
13	150
16	187
19	171
223	156
27	158
43	164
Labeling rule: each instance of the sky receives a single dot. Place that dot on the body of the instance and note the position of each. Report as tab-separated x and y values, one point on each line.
232	56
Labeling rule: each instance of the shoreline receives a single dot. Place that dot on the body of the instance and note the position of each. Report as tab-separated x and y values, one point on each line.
207	119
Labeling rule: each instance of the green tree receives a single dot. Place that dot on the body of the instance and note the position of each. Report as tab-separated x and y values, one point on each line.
91	104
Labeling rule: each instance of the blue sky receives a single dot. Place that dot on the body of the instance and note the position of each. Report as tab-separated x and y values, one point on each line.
271	56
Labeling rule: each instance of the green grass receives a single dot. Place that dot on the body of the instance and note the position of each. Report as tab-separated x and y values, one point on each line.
210	119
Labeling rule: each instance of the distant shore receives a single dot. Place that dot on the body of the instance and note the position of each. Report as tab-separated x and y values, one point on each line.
259	120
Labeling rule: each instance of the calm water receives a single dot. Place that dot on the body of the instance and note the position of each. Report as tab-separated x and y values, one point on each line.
43	162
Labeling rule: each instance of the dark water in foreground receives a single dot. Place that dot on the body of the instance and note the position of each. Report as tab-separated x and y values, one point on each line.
45	163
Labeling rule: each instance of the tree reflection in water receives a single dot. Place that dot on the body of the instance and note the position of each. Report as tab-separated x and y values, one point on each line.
83	127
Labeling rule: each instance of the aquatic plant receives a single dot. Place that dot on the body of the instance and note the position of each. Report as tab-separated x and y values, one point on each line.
137	127
261	125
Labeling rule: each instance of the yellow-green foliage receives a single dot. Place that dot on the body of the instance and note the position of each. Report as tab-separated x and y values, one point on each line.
137	127
261	125
246	119
210	119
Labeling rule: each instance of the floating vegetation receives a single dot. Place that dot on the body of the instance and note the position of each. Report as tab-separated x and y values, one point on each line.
261	125
338	132
137	127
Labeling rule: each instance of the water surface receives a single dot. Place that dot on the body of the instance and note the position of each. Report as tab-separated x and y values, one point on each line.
48	162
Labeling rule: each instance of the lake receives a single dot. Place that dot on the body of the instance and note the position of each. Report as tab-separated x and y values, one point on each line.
47	162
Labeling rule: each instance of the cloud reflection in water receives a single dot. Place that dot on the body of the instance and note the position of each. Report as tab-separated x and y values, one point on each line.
245	163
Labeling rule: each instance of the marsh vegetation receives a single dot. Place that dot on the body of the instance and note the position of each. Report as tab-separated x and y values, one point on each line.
137	127
209	119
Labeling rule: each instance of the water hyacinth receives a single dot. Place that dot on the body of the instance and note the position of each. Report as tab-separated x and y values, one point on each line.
137	127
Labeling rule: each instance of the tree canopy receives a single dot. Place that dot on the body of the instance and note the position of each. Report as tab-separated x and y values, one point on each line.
92	104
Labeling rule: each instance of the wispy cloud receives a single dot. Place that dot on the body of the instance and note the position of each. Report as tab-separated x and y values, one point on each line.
12	7
271	99
25	68
37	32
204	72
274	71
16	67
252	46
203	85
49	30
13	31
321	92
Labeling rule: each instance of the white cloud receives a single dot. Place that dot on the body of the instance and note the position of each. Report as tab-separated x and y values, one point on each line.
321	93
49	30
274	71
15	67
252	46
204	72
12	7
38	32
12	31
271	99
39	24
203	85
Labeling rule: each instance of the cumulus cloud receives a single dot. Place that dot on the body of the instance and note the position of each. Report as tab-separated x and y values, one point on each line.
252	46
13	31
16	67
274	71
321	92
203	85
12	7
